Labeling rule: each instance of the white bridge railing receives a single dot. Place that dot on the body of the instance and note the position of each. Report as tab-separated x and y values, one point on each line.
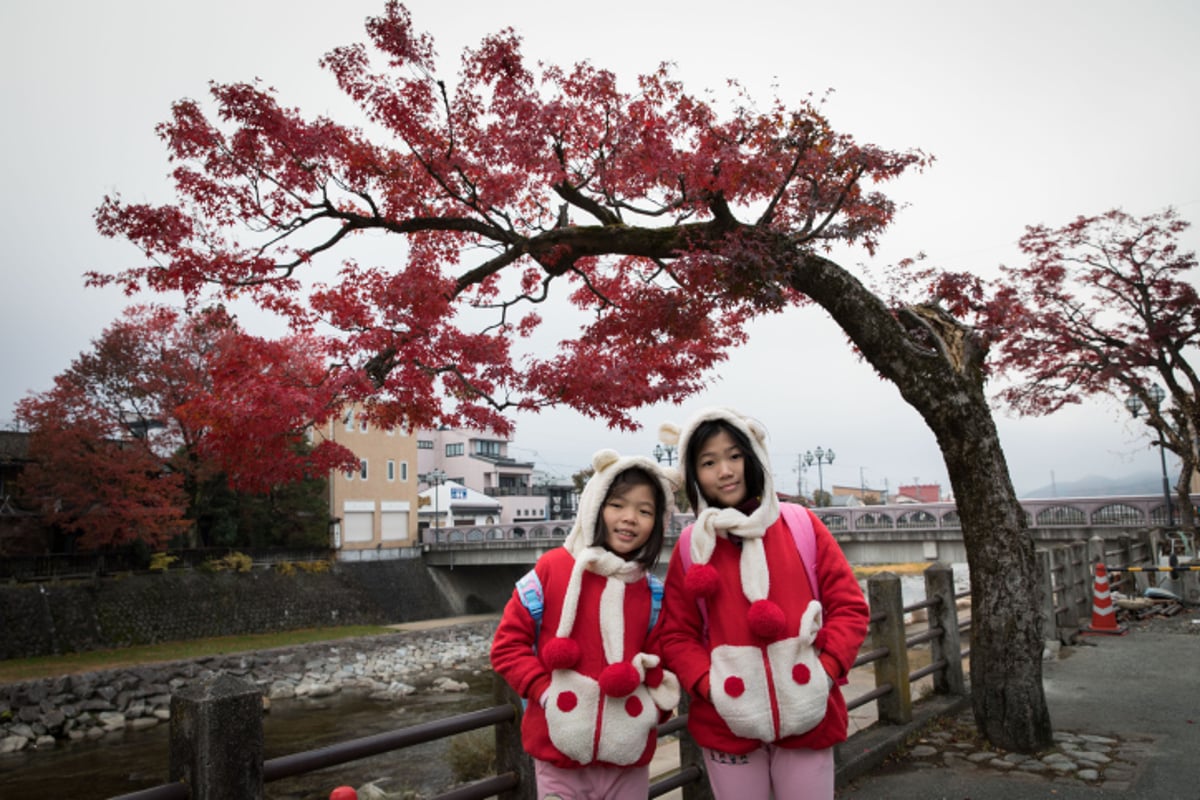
1129	511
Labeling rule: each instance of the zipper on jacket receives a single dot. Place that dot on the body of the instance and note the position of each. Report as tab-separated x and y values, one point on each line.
596	728
771	697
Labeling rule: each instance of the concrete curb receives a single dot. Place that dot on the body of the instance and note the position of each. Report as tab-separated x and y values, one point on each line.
866	750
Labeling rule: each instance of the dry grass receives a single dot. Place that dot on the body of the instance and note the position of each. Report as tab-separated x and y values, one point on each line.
12	671
914	568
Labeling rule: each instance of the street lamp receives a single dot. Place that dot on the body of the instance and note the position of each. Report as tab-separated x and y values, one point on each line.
662	454
821	457
1134	405
435	478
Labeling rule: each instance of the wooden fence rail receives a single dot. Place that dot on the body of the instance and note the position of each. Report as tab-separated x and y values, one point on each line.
216	749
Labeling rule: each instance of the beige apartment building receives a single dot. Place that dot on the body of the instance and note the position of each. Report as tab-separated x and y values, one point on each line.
374	508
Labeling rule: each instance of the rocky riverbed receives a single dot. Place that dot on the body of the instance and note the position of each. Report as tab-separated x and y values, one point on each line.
42	713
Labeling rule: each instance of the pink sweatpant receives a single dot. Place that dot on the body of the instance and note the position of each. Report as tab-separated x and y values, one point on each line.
771	771
591	783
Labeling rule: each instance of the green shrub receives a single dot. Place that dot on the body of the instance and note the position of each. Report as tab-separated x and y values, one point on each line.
233	562
472	755
161	562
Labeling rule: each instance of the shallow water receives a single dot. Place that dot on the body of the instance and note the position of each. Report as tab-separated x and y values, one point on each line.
128	761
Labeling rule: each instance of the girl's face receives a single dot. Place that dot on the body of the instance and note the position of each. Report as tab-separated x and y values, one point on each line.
721	471
629	519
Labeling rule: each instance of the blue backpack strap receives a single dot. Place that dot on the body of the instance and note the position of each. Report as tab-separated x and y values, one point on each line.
656	598
529	589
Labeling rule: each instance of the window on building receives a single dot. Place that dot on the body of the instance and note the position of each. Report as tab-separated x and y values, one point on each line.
484	447
348	420
391	470
404	471
362	469
424	444
362	424
455	449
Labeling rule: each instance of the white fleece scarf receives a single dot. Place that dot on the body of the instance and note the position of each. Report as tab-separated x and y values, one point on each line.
619	572
714	522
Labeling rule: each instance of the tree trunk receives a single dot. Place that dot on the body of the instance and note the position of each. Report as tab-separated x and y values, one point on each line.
936	363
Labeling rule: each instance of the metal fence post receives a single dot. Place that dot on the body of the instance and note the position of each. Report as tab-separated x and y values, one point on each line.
884	596
216	743
510	753
939	584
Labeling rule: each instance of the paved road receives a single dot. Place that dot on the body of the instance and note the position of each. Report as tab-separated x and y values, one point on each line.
1142	689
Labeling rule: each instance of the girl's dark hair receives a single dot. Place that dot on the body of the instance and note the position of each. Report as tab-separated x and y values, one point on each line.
647	555
754	477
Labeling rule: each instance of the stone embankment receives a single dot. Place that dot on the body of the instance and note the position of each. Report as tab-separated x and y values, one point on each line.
39	713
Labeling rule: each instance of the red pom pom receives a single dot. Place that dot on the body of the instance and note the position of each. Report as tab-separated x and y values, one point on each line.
766	620
734	686
654	677
702	580
343	793
819	640
619	680
801	674
634	707
567	702
561	653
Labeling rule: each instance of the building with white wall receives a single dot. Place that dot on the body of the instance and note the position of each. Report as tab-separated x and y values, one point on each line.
480	462
373	508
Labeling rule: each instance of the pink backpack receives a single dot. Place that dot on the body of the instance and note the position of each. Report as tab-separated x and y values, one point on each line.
798	522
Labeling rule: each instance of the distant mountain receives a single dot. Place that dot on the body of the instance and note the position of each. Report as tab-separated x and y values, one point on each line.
1099	486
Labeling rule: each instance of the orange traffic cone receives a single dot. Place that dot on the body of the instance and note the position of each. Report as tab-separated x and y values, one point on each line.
1104	615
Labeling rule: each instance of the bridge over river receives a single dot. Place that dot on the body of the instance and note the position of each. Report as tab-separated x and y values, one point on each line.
879	534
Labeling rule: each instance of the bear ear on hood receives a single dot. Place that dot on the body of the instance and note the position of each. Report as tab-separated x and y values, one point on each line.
759	432
673	476
604	459
668	434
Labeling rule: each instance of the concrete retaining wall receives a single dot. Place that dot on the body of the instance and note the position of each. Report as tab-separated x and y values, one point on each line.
132	609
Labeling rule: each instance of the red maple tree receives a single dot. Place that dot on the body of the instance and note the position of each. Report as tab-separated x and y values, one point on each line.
162	405
1106	305
671	222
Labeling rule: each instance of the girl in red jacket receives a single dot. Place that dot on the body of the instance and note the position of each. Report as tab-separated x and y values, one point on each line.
574	639
757	647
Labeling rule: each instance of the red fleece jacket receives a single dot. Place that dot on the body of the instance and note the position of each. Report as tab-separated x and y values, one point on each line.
514	658
688	651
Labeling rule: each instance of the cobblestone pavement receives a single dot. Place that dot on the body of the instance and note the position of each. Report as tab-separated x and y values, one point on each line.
1076	757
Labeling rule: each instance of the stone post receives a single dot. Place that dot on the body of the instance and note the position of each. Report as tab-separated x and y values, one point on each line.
1126	581
510	754
1082	581
690	755
939	584
884	596
217	739
1045	579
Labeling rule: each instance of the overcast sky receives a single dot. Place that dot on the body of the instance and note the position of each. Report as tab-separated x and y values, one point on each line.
1036	112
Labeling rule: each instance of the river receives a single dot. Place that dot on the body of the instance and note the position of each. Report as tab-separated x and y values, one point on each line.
127	761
